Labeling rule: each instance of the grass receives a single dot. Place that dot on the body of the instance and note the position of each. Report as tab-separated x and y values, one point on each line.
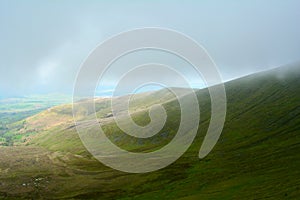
257	156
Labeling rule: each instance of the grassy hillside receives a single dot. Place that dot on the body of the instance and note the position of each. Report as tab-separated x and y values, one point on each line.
257	156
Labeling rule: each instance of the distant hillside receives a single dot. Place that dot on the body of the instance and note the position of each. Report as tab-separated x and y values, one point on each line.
256	157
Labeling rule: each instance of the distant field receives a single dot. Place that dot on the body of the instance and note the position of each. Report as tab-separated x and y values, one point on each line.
33	102
15	109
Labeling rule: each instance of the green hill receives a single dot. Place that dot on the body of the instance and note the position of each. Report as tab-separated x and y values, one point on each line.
257	156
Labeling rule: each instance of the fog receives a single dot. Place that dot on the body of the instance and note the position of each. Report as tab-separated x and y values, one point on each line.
44	43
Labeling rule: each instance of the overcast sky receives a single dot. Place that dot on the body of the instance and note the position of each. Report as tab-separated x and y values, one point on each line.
43	43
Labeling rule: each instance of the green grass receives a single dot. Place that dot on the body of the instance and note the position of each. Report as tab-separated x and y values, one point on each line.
257	156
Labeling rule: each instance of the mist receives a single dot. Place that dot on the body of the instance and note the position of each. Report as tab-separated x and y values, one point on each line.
43	44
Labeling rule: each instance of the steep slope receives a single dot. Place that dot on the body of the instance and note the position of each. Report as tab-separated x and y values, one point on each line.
256	157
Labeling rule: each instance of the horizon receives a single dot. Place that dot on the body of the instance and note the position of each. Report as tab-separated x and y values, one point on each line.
109	93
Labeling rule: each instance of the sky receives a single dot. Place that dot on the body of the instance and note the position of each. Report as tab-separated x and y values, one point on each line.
44	43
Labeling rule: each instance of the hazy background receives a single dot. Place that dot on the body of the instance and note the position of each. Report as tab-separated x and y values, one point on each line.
43	43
